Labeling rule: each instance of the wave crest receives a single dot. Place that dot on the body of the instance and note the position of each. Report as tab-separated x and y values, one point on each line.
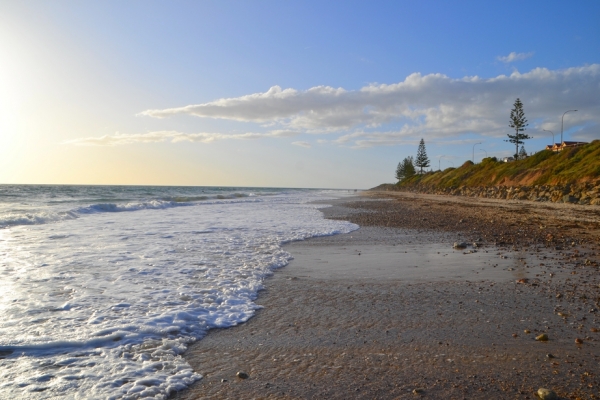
34	218
134	206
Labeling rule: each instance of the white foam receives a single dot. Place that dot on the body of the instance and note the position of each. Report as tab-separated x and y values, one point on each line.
103	306
133	206
34	218
42	215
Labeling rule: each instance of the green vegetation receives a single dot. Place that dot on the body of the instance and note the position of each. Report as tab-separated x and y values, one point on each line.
522	153
578	164
406	168
519	123
422	160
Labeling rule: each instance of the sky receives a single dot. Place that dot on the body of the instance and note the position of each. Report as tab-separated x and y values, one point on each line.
285	93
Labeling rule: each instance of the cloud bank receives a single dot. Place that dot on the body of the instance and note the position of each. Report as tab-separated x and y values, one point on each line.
515	57
170	136
433	106
302	144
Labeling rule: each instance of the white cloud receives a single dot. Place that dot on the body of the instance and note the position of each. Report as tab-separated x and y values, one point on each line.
433	106
302	144
515	57
170	136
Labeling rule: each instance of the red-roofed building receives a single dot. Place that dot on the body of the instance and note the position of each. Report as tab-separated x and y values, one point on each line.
564	145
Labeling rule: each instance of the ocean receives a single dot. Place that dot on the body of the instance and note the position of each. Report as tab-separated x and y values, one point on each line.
102	288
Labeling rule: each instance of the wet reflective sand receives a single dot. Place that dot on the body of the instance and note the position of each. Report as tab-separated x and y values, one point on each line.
393	307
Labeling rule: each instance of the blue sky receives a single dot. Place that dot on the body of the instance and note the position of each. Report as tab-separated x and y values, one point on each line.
282	93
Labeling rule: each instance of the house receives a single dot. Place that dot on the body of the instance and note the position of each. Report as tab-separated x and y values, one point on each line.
552	147
564	145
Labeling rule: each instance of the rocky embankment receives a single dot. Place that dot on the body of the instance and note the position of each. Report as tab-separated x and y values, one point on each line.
580	193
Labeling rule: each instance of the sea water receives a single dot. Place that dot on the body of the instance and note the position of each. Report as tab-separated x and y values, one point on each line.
102	288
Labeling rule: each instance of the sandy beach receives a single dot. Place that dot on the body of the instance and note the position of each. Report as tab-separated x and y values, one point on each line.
393	311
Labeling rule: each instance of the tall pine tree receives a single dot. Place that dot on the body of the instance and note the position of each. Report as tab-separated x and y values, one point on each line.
519	123
422	161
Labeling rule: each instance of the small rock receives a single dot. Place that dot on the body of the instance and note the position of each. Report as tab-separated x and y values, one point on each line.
594	330
546	394
514	335
522	280
242	375
527	331
542	338
550	355
223	380
418	391
460	245
578	341
558	296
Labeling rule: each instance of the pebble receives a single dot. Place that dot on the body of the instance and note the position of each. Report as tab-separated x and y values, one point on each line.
460	245
546	394
417	391
242	375
578	341
542	338
550	355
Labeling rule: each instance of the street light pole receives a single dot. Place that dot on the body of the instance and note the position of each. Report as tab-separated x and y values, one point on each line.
474	151
545	130
562	123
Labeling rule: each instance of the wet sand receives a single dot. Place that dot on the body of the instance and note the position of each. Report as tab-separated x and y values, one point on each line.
393	308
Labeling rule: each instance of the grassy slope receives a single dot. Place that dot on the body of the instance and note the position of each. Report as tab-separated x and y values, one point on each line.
580	164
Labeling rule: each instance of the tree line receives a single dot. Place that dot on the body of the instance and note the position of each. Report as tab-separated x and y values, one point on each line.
518	122
406	168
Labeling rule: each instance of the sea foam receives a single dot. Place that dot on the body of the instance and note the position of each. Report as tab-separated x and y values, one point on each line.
36	216
104	304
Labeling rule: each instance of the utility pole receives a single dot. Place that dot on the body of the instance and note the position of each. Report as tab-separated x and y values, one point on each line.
562	124
545	130
474	151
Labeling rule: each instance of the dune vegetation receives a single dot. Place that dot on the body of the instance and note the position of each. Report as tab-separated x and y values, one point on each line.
571	166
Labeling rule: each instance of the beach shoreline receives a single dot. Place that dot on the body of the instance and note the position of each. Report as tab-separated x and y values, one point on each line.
375	314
